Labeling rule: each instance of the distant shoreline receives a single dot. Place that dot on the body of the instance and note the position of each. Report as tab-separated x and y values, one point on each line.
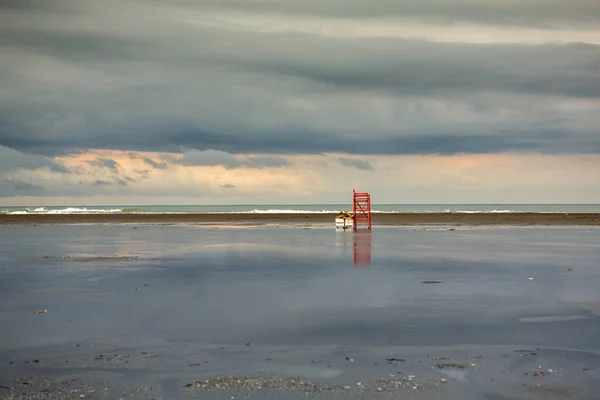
384	219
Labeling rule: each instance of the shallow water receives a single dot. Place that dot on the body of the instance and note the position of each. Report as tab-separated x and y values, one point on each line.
184	290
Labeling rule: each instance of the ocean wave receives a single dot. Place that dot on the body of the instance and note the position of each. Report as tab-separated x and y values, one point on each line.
479	211
67	210
292	211
85	210
283	209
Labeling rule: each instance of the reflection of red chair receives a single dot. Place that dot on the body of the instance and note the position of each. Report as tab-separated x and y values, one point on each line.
362	208
362	247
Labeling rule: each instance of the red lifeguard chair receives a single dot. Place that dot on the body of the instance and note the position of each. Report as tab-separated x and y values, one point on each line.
362	208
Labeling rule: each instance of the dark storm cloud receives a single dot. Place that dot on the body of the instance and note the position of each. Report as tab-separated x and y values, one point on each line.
20	185
418	68
155	77
15	187
536	13
11	160
82	47
68	6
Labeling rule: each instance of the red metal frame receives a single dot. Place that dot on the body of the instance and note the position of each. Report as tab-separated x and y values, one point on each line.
362	208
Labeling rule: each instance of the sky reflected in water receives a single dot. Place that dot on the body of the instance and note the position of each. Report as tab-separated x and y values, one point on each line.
301	286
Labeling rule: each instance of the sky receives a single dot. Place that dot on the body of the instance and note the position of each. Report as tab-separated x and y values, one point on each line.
299	101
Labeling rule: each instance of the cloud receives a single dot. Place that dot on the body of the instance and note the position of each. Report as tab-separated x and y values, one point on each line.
217	157
547	13
392	78
20	185
11	160
104	163
157	165
11	187
451	101
483	178
356	163
117	181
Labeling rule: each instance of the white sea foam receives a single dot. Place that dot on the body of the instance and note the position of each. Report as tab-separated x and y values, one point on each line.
284	211
292	211
478	211
75	210
300	209
68	210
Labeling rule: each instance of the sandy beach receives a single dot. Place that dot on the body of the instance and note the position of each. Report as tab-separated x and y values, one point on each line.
386	219
178	311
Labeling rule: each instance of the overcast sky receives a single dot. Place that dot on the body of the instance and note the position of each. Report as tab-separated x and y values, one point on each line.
293	101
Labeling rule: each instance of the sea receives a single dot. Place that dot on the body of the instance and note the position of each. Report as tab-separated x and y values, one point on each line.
303	209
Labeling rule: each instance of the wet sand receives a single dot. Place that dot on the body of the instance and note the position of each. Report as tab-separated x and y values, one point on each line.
400	219
109	311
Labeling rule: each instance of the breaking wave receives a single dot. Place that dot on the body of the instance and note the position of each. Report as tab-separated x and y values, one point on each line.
480	211
299	209
67	210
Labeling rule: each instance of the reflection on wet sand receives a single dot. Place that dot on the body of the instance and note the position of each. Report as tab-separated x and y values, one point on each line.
362	247
357	242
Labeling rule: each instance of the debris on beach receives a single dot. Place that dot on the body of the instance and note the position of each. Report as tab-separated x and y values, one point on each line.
100	258
559	392
539	372
258	383
55	389
118	357
526	353
297	384
454	366
394	360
